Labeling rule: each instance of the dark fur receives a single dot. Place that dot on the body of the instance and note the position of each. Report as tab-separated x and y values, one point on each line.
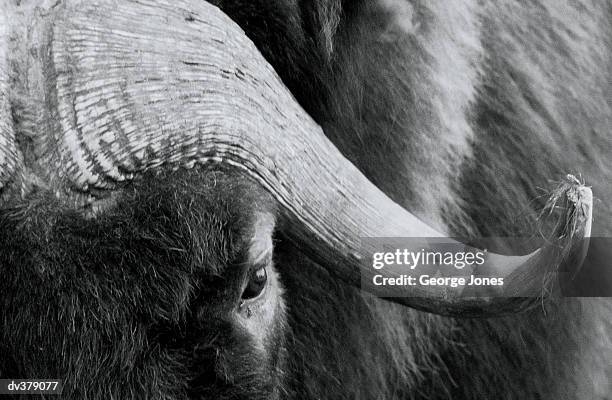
128	304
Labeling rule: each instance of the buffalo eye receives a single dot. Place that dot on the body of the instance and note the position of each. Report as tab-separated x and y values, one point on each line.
258	277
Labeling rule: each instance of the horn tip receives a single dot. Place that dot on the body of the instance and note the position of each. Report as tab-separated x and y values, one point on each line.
573	230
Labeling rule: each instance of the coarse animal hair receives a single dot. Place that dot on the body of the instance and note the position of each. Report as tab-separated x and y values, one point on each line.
128	291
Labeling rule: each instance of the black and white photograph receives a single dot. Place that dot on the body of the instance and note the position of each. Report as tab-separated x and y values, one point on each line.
306	199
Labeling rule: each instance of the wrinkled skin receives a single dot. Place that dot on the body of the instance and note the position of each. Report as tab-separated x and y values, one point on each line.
147	301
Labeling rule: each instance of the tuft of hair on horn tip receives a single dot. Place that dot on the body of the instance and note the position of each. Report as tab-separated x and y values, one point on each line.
572	200
569	207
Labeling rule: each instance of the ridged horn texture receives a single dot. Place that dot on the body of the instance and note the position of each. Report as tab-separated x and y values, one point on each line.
9	156
130	86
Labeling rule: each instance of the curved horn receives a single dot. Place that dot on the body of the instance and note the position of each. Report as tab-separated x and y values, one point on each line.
9	157
130	86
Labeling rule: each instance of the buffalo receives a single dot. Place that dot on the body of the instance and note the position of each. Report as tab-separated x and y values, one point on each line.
187	189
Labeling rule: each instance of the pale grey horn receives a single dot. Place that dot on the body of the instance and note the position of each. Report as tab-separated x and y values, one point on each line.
9	157
131	86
